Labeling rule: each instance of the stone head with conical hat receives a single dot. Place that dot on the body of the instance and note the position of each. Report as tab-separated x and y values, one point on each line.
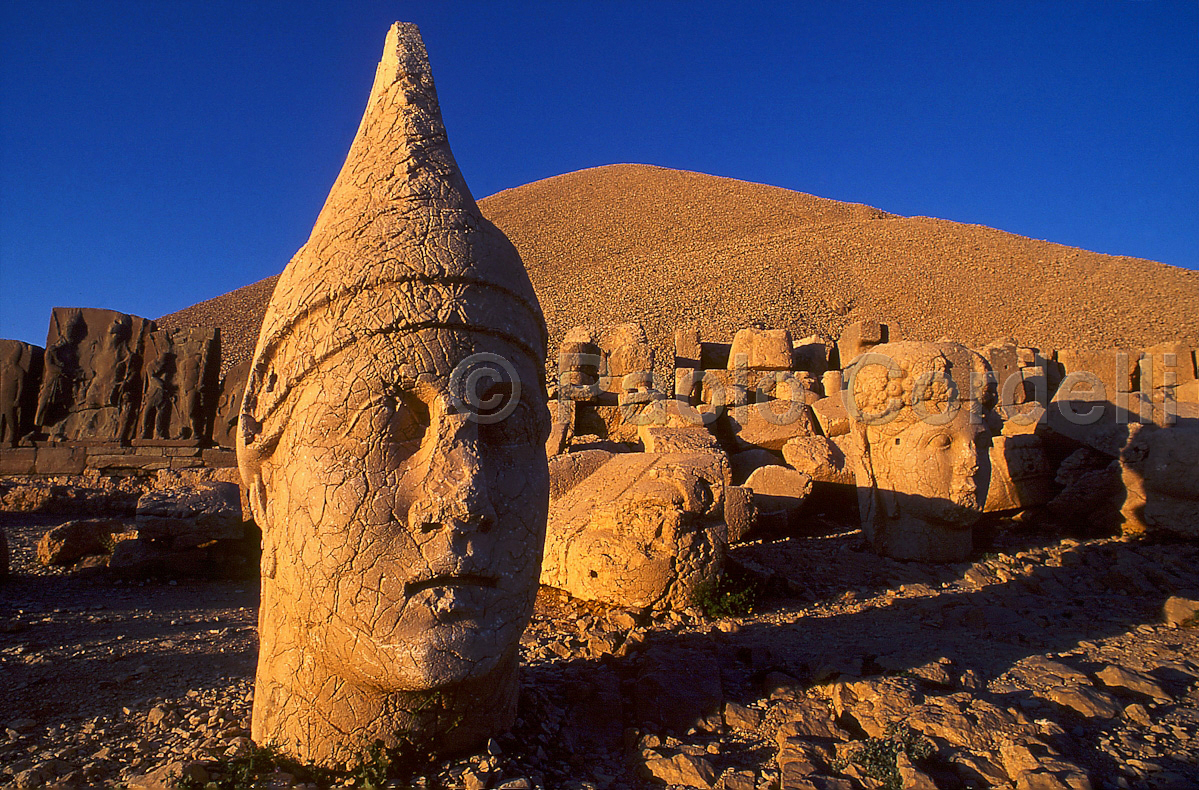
392	439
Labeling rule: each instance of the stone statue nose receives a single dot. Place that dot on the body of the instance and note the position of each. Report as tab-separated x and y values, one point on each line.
454	493
460	509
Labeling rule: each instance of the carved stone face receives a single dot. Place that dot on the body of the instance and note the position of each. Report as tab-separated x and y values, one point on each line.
921	462
405	532
933	469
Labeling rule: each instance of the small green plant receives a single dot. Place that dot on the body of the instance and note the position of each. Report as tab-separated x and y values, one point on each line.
878	757
378	766
372	773
246	772
725	597
238	773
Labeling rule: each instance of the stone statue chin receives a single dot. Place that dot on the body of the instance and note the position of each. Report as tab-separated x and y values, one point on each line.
920	448
392	438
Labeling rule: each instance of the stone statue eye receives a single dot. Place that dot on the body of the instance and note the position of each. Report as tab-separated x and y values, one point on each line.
518	428
407	417
397	416
941	441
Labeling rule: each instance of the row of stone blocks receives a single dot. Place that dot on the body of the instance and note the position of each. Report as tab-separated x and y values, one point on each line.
607	385
74	459
108	377
615	359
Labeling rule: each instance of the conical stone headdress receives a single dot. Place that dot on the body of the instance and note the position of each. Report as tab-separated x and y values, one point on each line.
399	246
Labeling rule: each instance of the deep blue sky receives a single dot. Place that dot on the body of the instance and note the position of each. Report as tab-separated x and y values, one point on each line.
155	154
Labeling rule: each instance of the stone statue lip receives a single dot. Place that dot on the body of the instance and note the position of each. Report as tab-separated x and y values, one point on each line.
445	580
453	598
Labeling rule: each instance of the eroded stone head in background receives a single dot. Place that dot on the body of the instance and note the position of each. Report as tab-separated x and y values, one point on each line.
916	413
642	530
403	519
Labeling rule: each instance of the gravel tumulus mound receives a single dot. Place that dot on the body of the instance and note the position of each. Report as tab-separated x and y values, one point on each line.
671	248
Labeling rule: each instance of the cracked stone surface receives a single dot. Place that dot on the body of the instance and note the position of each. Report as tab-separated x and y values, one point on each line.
394	460
91	380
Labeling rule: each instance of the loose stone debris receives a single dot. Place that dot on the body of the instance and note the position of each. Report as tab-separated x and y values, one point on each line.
1045	662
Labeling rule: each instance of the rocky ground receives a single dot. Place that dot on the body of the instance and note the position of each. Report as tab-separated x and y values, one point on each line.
1045	663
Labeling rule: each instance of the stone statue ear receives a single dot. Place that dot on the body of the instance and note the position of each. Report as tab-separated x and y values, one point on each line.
252	466
257	495
253	469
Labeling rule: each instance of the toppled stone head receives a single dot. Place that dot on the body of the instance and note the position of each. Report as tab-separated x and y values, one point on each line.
392	437
916	412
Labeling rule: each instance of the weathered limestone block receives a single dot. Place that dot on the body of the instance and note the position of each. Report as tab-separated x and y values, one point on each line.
664	439
228	407
91	380
392	438
861	336
682	770
645	529
1168	387
1022	399
579	365
687	348
769	424
740	512
71	541
20	378
563	414
1172	364
819	459
1158	468
191	515
713	391
812	354
830	383
567	471
761	349
607	422
674	413
60	460
1179	612
626	359
918	437
18	460
779	493
831	415
799	386
1187	393
180	384
1097	376
1022	476
1003	357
